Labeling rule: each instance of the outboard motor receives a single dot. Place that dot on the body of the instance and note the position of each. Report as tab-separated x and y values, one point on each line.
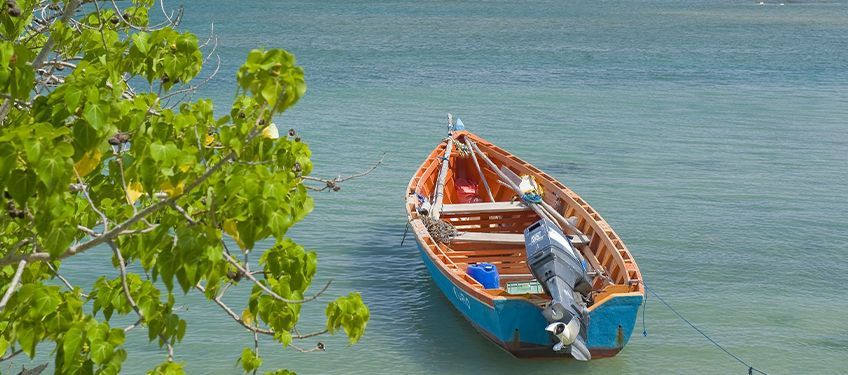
561	270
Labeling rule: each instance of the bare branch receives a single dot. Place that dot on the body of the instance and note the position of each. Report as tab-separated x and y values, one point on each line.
171	19
120	162
253	329
88	231
332	184
235	316
13	286
125	286
11	355
308	335
91	203
64	280
69	10
131	326
140	231
318	348
184	213
192	88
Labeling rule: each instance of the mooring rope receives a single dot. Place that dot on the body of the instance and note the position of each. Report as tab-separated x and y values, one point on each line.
405	231
751	369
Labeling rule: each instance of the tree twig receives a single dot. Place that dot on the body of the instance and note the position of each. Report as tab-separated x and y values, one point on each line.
332	184
270	292
11	355
253	329
69	10
122	266
64	280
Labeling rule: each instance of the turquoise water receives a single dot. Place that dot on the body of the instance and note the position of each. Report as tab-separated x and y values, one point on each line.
713	136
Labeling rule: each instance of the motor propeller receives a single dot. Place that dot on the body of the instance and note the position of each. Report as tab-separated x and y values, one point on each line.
569	336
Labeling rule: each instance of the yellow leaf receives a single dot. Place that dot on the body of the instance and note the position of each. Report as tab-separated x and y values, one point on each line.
172	190
230	228
247	317
134	191
271	132
89	162
209	140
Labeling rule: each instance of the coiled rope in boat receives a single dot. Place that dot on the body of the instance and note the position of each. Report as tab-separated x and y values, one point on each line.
439	230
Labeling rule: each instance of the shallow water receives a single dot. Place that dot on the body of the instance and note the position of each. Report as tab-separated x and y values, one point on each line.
712	136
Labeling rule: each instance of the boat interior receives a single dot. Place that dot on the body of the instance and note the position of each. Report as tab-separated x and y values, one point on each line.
490	220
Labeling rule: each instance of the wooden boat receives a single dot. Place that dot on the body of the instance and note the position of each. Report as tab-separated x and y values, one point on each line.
492	231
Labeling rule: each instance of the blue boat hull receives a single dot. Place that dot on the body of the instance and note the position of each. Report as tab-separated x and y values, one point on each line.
518	326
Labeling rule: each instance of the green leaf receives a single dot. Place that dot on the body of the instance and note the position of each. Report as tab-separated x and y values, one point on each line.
71	345
95	114
101	351
285	337
72	98
8	159
140	40
21	185
168	368
54	170
58	240
249	360
350	314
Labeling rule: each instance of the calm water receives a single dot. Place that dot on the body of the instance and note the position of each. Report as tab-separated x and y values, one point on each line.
713	136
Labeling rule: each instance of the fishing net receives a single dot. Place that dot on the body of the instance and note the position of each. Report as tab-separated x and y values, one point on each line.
439	230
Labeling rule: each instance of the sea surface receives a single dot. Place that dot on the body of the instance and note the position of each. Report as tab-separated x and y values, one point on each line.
712	135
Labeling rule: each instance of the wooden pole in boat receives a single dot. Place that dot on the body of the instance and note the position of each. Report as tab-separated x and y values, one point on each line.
480	171
553	213
539	211
436	211
561	218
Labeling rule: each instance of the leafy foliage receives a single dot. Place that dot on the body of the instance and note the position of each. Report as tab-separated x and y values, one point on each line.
90	161
350	314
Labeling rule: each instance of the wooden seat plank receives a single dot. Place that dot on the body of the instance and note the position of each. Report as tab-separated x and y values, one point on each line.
476	208
502	238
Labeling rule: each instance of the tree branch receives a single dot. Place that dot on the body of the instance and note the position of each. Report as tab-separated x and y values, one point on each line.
253	329
235	316
270	292
11	355
125	286
14	284
120	228
332	184
70	8
64	280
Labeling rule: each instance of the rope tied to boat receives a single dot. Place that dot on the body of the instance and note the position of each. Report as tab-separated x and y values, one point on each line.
751	369
439	230
463	150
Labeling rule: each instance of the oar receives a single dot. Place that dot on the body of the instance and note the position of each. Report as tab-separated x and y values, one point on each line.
557	217
538	209
480	171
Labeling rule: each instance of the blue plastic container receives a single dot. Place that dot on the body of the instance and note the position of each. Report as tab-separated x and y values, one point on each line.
486	274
